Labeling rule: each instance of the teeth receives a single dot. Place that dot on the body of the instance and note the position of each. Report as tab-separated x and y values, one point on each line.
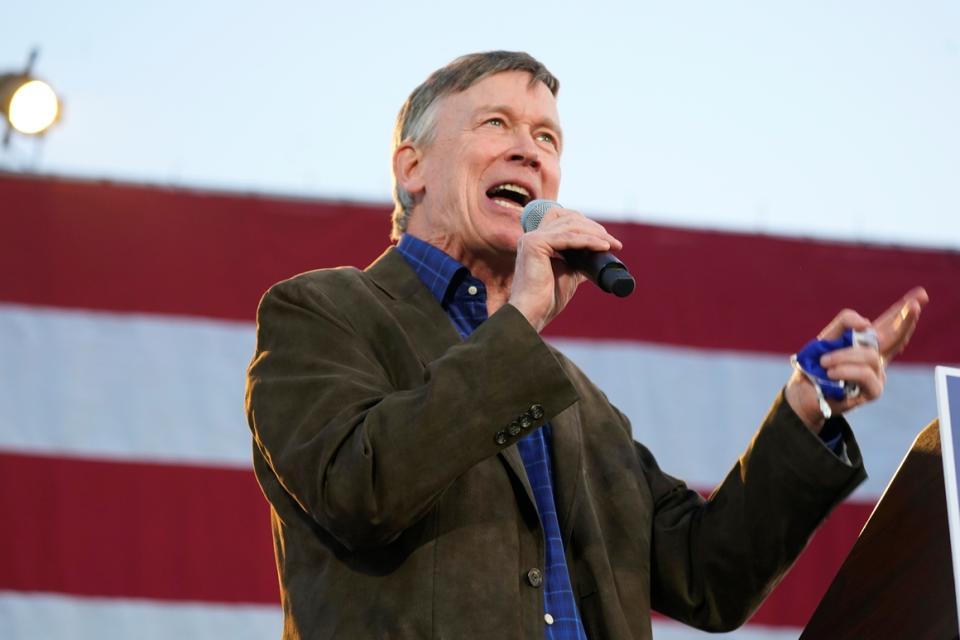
503	202
498	192
515	188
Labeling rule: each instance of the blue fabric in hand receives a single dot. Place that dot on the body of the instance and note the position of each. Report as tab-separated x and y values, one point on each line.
808	359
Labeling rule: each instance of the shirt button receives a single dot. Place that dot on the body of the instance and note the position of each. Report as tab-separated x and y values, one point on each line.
535	577
548	618
472	290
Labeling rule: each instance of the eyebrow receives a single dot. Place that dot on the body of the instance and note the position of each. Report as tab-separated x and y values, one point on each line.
502	108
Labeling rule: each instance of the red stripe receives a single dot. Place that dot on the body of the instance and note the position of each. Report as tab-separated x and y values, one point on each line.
794	600
127	248
167	532
134	530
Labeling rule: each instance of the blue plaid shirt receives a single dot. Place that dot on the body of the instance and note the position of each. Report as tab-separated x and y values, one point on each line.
464	298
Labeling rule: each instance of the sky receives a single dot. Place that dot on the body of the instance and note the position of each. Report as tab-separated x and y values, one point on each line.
827	119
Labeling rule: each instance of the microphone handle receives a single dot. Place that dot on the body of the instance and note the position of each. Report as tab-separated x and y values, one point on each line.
610	274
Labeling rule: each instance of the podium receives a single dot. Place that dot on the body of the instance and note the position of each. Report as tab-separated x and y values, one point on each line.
897	581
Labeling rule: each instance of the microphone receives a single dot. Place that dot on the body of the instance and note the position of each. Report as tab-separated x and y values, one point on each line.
604	269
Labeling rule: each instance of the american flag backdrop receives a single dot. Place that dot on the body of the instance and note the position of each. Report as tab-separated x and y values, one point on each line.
128	506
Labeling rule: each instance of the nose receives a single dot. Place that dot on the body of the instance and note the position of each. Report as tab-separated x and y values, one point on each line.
525	150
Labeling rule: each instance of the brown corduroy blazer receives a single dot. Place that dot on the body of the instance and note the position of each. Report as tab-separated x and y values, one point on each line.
401	508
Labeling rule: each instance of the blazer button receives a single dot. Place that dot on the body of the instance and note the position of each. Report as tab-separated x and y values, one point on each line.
514	428
500	438
536	411
535	577
525	421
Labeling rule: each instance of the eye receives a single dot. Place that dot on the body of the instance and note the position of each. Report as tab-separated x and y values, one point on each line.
496	122
549	138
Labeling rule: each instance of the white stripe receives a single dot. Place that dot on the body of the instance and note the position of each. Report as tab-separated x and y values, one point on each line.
697	410
30	616
124	386
670	630
171	389
26	616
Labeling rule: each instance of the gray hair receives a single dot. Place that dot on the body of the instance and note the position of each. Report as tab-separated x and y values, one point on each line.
415	122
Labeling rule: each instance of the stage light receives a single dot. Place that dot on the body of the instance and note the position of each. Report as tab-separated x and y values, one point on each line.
29	106
33	107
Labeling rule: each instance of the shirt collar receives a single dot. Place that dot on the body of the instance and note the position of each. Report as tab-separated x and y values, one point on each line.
438	271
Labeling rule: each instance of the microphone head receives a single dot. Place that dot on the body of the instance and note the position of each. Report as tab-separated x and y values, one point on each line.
534	211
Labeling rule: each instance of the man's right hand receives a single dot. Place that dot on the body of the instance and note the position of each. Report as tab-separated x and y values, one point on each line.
543	284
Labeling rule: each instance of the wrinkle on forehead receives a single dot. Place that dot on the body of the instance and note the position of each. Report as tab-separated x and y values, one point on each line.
483	91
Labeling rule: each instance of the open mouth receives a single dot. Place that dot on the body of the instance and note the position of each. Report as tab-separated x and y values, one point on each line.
509	195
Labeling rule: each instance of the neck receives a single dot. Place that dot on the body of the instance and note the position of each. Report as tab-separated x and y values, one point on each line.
494	269
496	280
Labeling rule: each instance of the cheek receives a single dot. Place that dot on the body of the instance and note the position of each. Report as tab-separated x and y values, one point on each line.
552	181
444	160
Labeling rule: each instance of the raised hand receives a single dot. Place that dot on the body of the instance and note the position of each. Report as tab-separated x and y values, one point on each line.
861	365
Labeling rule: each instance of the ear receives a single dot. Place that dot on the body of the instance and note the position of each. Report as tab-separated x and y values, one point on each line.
408	169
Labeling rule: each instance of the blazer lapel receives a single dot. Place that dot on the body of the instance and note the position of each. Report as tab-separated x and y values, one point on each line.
567	461
511	456
423	319
430	329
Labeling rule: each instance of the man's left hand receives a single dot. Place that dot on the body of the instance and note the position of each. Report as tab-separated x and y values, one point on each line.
863	366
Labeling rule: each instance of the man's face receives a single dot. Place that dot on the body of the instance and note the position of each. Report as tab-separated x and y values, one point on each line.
496	146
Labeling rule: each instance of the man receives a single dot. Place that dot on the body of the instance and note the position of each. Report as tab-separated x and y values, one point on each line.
435	470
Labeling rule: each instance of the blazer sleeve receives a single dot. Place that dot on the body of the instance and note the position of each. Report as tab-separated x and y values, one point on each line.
363	454
715	560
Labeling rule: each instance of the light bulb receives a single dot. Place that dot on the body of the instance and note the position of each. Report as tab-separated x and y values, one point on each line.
33	107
